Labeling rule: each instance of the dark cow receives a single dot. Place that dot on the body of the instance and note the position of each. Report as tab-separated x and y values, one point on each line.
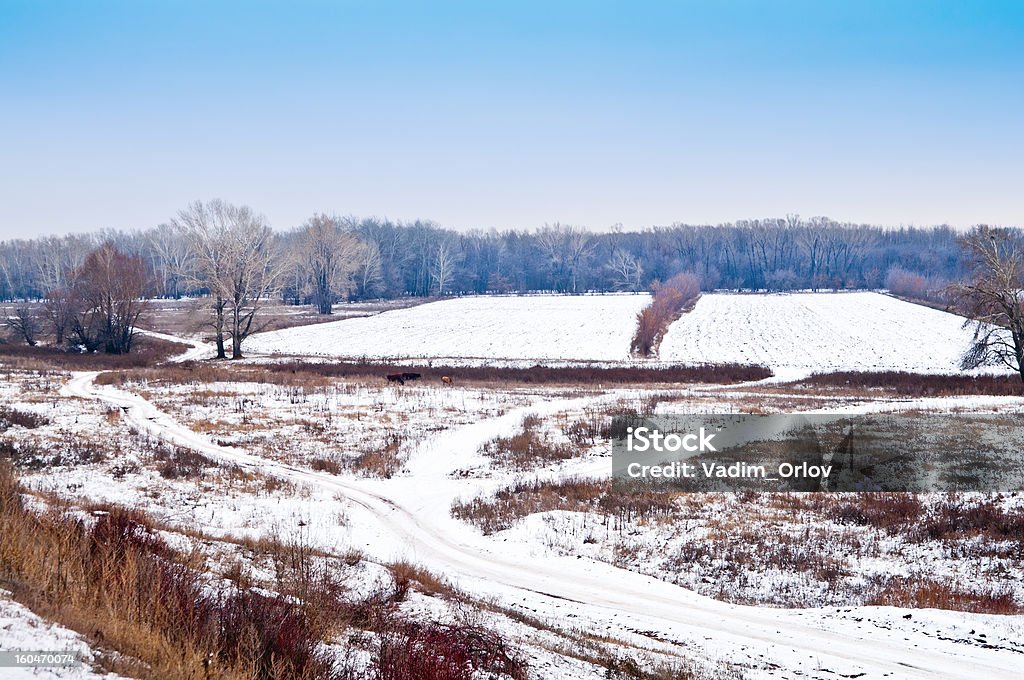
396	377
411	376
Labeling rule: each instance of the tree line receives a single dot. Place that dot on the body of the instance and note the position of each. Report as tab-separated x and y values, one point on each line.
94	286
330	259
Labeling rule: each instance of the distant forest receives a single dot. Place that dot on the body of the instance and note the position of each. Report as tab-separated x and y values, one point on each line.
385	259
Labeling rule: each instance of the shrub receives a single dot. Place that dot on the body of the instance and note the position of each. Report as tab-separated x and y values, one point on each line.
890	511
175	462
436	651
146	351
327	465
669	301
11	417
915	286
920	385
541	375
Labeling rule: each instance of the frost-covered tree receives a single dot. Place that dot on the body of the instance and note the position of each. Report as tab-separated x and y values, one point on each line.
442	267
235	260
626	270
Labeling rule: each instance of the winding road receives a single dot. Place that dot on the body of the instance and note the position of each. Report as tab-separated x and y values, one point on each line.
813	643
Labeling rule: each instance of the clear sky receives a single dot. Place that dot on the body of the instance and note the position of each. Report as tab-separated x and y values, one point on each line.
511	113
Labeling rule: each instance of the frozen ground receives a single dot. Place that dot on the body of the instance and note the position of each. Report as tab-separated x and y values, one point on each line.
818	332
530	327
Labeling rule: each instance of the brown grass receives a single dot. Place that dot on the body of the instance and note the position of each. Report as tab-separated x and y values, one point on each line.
617	503
115	580
926	593
535	375
331	467
407	575
382	461
917	385
528	448
147	351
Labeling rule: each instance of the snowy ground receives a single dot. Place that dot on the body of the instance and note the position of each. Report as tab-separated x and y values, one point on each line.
531	327
818	332
794	334
21	630
556	568
407	518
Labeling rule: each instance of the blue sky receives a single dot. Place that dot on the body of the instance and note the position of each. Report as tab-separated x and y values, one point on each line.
511	114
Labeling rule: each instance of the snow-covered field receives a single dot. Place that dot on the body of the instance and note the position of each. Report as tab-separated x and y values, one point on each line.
407	518
794	333
818	332
531	327
553	577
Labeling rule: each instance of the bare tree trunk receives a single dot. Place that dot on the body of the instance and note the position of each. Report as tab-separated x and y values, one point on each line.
218	307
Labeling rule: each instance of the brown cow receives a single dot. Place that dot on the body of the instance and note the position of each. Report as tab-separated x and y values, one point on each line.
447	380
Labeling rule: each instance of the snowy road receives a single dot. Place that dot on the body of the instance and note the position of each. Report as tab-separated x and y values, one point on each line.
411	515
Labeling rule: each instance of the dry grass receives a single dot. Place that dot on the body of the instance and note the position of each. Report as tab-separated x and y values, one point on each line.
912	384
618	503
146	352
535	375
114	579
927	593
383	461
813	540
528	448
407	575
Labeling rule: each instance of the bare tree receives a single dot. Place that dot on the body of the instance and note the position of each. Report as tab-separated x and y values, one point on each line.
109	291
991	296
59	310
442	267
171	257
369	264
207	228
567	250
329	256
626	269
254	276
236	261
25	324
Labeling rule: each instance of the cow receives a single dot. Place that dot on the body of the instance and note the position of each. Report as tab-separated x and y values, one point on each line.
447	380
395	377
411	376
